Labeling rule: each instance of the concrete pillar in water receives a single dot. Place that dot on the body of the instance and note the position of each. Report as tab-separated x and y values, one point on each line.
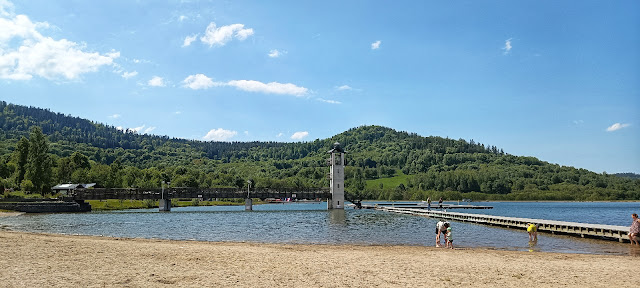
248	204
336	180
165	204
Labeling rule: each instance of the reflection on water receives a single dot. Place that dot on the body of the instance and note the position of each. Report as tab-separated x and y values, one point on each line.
338	217
312	223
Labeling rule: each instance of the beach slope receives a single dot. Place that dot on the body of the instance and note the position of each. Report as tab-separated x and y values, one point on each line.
46	260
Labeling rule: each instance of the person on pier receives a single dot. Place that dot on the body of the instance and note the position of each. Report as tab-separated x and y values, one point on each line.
634	230
441	228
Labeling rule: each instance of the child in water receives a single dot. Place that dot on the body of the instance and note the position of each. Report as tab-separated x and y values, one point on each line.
449	239
533	232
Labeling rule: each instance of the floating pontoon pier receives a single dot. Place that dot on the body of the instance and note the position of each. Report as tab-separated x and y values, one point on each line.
424	206
608	232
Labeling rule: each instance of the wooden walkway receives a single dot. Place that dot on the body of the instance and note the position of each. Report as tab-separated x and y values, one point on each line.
207	193
424	206
608	232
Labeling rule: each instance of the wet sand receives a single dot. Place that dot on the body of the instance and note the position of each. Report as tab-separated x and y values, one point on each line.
49	260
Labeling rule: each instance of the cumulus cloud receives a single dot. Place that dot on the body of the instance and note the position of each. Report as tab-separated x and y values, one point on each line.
219	135
156	81
344	87
329	101
279	135
219	36
6	8
275	53
269	88
189	39
127	75
617	126
149	129
299	135
115	116
507	46
182	18
199	81
140	129
375	45
25	52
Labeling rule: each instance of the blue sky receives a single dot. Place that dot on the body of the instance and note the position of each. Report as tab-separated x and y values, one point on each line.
558	80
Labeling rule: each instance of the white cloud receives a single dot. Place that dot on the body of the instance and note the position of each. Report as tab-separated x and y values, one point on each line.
219	135
127	75
115	116
617	126
138	129
275	53
344	87
270	88
25	52
329	101
219	36
199	81
246	133
182	18
507	46
189	39
299	135
156	81
177	112
375	45
120	128
279	135
6	8
148	130
578	122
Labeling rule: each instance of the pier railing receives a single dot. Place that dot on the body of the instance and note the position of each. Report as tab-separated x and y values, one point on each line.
206	193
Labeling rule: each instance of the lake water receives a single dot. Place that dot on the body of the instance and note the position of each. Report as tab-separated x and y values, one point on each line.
311	223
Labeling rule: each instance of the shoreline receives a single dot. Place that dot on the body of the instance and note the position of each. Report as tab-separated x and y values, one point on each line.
55	260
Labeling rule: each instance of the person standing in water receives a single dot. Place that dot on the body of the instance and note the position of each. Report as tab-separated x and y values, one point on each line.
428	203
532	229
441	228
440	203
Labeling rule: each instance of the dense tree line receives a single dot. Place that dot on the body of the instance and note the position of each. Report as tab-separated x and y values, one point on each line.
81	151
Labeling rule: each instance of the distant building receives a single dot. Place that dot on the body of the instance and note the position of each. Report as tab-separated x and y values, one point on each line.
65	189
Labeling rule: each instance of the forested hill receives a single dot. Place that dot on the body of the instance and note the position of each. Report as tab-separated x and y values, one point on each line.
382	163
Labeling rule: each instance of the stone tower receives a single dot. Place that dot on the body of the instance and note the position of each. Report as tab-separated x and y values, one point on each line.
336	177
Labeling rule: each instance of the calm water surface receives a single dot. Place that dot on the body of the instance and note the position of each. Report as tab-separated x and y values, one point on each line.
312	223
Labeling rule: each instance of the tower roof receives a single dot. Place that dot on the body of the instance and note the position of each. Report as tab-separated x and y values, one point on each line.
336	148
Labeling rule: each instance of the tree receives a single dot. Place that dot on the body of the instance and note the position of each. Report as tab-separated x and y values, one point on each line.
39	162
79	160
22	154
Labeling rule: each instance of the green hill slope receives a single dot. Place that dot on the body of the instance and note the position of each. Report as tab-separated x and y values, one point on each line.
83	151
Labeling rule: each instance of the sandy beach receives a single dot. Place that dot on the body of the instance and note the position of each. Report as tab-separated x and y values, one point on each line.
49	260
